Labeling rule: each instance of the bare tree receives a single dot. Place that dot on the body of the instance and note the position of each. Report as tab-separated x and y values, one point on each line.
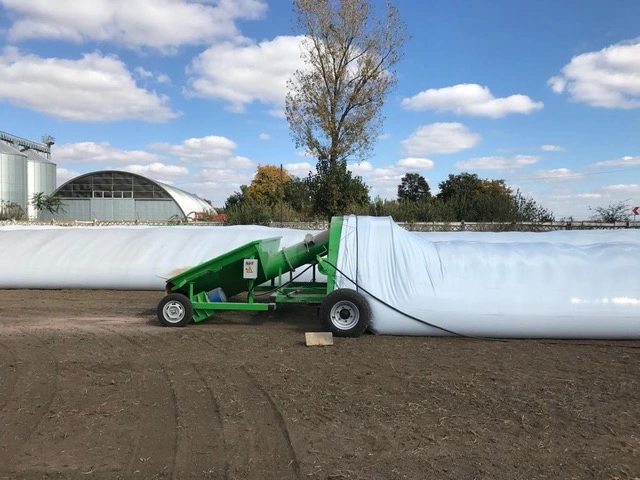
333	104
614	212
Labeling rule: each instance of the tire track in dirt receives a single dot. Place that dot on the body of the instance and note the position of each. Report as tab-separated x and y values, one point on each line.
7	380
281	421
95	389
124	344
257	440
78	342
37	383
147	430
200	451
218	418
153	453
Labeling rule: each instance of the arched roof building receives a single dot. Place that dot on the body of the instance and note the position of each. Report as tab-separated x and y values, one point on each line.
113	195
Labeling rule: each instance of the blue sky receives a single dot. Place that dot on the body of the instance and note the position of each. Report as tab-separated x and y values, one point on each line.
544	94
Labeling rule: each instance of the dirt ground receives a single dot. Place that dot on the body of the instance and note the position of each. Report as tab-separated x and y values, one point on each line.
92	387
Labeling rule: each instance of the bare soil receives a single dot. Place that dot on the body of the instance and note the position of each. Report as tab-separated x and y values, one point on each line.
92	387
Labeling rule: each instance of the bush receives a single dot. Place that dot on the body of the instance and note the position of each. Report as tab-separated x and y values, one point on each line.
11	211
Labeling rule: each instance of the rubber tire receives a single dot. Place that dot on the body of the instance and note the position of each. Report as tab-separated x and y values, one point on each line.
345	294
186	304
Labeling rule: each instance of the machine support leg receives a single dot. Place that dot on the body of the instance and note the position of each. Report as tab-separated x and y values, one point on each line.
250	295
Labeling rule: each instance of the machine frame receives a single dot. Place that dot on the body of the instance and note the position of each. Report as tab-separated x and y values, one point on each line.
259	268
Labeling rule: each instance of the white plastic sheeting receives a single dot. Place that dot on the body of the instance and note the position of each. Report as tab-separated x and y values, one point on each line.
571	237
123	258
528	287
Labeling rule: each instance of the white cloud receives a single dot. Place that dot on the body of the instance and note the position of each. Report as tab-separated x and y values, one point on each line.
264	136
158	24
242	73
440	138
212	151
217	184
142	73
567	203
304	153
384	136
415	163
163	78
497	163
626	161
631	187
580	196
145	74
63	175
552	148
206	166
104	153
558	174
361	168
470	99
300	169
607	78
384	181
203	147
158	171
95	88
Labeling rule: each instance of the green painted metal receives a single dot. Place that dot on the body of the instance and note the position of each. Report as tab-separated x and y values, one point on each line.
301	292
226	272
335	233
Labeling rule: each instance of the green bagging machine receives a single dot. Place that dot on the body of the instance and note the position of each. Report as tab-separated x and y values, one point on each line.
259	268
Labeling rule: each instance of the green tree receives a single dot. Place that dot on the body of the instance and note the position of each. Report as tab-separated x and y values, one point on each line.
414	187
333	104
470	198
47	203
527	210
236	199
461	185
335	190
298	195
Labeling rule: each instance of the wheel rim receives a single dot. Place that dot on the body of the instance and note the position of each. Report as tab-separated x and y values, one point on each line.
344	315
173	312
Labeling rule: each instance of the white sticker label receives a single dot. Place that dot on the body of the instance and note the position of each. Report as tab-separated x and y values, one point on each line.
250	268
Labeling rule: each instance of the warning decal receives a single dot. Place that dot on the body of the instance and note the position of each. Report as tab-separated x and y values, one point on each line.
250	268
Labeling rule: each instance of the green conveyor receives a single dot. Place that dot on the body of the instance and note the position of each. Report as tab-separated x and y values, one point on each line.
260	268
256	267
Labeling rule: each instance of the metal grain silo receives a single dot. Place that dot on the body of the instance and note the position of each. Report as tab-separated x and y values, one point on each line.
13	176
41	177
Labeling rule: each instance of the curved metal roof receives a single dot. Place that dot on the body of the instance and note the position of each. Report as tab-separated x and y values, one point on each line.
9	150
34	157
187	202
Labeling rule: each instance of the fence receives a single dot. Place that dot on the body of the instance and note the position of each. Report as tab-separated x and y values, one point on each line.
415	227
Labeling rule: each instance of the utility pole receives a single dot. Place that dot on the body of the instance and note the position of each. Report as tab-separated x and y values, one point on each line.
281	193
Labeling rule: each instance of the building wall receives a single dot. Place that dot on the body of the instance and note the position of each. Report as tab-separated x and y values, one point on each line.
41	176
13	179
115	209
157	209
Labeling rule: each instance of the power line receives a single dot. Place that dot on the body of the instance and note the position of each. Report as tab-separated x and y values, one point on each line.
576	175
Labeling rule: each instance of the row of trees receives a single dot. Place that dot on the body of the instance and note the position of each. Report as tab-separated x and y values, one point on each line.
333	107
274	195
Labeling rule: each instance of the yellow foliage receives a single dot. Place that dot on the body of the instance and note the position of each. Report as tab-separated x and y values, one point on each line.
268	184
